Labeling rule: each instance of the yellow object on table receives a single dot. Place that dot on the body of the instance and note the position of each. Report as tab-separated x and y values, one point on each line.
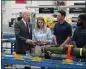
37	59
67	61
18	57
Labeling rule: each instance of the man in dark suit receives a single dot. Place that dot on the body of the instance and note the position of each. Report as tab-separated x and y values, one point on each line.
23	34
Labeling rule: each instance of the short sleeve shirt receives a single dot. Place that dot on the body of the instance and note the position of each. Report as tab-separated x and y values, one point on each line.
79	37
62	31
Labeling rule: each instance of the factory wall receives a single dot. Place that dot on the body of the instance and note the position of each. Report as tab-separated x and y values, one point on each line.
72	3
44	3
11	10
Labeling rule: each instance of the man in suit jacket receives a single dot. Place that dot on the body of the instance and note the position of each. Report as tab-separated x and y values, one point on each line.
23	34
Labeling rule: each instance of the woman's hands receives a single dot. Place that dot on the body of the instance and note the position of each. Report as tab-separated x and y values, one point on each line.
45	41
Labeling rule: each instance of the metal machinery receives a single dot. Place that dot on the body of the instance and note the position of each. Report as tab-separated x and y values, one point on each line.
70	51
49	62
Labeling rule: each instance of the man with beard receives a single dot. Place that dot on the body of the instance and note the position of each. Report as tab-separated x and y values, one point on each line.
79	36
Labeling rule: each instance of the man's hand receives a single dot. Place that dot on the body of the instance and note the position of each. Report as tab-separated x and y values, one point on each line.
74	43
66	41
62	45
29	41
84	46
56	44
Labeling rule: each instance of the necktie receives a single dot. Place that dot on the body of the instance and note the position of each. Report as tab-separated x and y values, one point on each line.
27	25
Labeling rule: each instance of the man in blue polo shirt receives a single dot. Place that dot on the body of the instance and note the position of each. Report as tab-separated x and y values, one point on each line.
79	36
62	30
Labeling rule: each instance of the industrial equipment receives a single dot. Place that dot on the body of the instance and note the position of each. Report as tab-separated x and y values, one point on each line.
69	50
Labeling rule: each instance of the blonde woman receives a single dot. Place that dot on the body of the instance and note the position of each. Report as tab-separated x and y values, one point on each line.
42	32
